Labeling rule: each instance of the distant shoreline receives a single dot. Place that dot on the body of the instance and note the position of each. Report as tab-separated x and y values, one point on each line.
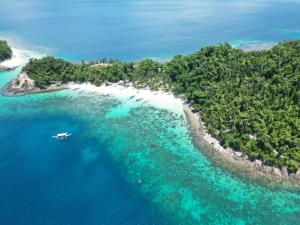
19	57
259	46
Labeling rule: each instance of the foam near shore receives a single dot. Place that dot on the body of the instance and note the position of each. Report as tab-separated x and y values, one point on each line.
248	46
19	57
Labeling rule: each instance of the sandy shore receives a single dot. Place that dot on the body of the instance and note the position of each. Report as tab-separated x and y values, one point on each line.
123	91
23	85
20	57
257	47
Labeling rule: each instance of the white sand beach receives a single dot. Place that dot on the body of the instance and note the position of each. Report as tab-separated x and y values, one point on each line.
157	99
19	58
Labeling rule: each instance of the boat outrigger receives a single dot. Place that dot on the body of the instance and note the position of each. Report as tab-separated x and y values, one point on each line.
61	136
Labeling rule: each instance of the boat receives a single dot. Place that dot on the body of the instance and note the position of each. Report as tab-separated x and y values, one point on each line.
62	136
131	97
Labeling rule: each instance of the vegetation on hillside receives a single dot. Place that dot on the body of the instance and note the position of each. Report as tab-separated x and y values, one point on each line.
5	51
250	101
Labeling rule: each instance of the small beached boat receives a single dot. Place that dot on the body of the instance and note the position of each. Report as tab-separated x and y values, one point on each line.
131	97
61	136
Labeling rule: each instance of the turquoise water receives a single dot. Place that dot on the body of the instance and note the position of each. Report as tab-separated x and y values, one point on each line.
127	163
77	181
123	165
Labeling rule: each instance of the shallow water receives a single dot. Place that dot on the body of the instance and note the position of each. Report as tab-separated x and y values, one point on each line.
124	164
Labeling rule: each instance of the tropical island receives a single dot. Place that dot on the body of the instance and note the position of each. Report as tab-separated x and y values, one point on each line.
11	58
5	51
248	101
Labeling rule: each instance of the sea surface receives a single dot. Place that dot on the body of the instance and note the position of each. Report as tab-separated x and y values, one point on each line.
137	29
127	162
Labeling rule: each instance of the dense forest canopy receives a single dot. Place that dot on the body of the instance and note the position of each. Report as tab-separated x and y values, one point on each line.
5	51
250	101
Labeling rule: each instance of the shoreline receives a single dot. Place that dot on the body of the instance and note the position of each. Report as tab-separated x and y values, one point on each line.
236	161
19	57
23	85
126	91
120	90
253	46
233	160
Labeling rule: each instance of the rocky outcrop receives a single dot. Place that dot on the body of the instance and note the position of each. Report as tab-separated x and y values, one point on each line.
22	84
254	168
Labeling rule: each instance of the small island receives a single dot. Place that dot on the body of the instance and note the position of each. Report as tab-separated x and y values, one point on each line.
11	58
249	101
5	51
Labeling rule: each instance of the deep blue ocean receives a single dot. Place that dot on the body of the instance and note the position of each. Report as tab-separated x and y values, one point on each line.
136	29
127	163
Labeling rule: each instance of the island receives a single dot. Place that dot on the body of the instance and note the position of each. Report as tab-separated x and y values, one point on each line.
11	58
248	101
5	51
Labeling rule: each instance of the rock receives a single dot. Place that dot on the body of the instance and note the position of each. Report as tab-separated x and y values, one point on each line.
139	181
267	169
298	174
21	84
284	171
277	172
258	163
238	154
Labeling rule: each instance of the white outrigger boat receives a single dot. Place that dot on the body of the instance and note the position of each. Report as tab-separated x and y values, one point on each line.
61	136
